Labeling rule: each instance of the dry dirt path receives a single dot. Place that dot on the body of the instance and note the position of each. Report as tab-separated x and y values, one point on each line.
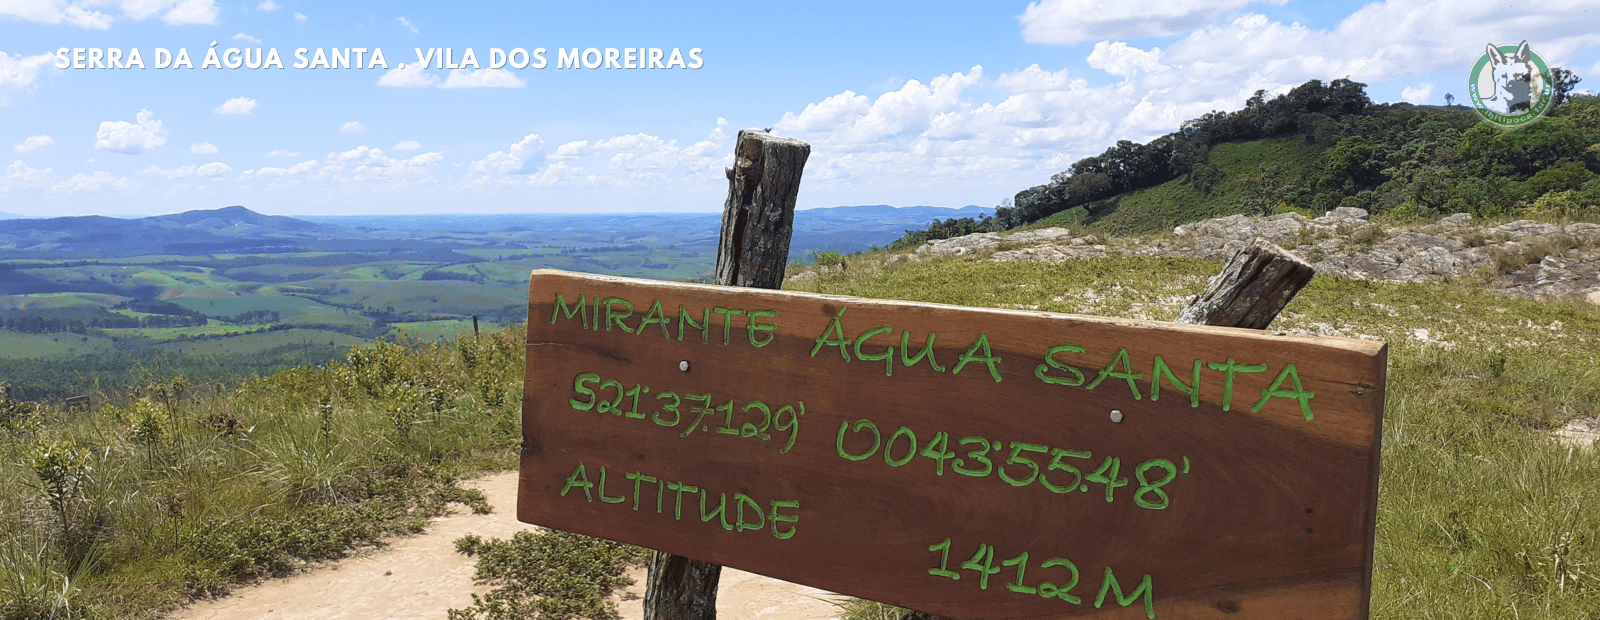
422	576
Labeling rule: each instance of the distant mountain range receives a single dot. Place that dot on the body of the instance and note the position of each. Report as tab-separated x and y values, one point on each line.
238	230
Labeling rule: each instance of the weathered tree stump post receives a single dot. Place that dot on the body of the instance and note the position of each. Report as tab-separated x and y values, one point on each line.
757	222
1249	292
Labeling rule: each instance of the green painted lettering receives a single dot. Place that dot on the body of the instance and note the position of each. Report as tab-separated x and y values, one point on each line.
833	336
561	308
704	325
602	490
638	480
927	351
722	510
681	488
727	321
613	316
1230	367
655	316
752	326
775	518
988	359
1192	388
1298	393
744	500
1050	358
1110	585
580	479
887	356
1126	373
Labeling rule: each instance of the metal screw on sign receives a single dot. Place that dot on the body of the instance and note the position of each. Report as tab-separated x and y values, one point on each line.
683	365
1116	415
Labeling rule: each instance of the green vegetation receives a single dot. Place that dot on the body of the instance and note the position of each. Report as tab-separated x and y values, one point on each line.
1318	147
547	575
1481	514
183	489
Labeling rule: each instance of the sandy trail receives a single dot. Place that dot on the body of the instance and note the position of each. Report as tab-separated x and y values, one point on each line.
422	576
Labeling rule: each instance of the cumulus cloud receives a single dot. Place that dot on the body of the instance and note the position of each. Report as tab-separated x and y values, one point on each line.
213	169
365	163
246	38
1065	22
57	12
300	17
268	6
408	76
407	24
352	127
19	72
1418	95
282	153
33	144
131	138
302	168
526	156
203	148
236	105
20	176
408	145
97	181
481	78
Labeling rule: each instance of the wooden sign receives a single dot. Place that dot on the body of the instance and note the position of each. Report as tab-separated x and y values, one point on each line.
966	462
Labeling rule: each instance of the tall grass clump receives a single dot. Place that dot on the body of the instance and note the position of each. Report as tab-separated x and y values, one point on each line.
178	490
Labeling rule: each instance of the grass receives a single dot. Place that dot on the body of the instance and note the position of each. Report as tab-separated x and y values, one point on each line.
1480	513
179	490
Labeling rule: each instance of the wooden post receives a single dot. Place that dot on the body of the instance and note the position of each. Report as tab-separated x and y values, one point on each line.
757	221
1249	292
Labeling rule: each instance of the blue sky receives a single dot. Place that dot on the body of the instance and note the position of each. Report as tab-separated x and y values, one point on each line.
925	103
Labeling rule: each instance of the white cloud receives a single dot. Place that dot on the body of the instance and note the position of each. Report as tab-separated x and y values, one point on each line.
365	163
351	127
33	143
481	78
236	105
56	12
1124	60
1419	94
189	12
301	168
526	156
268	6
203	148
213	169
407	23
96	181
247	38
19	72
408	145
300	17
1065	22
20	176
81	13
129	138
282	153
408	76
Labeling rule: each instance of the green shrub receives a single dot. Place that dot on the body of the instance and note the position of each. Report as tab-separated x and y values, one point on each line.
547	575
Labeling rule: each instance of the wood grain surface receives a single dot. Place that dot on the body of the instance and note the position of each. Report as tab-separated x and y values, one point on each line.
1273	517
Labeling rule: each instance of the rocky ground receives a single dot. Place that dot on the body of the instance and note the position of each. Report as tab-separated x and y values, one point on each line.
1523	257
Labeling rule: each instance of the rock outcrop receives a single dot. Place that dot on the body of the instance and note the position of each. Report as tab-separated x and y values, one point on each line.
1524	257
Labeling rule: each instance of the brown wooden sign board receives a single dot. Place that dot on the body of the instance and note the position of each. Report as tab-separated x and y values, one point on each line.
966	462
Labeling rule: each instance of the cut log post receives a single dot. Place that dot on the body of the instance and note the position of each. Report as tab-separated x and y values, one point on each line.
757	222
1249	292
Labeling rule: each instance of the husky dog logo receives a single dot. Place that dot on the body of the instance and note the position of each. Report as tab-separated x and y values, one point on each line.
1510	85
